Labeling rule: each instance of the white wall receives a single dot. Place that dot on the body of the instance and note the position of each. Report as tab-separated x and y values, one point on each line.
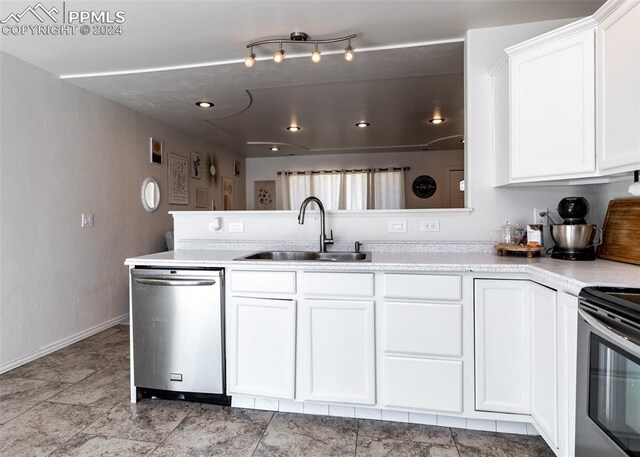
66	151
491	206
433	163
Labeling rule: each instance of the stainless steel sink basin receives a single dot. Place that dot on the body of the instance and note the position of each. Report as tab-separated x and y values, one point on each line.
309	255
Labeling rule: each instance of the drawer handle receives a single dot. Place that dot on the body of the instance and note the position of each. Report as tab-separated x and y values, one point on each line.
173	282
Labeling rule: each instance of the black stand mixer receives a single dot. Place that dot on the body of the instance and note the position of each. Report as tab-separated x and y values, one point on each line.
574	238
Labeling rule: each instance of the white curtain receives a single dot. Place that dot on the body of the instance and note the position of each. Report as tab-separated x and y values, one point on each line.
369	189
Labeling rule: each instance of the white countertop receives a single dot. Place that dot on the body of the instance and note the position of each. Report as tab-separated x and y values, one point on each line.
569	275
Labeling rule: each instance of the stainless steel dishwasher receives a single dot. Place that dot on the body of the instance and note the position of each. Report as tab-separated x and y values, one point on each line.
178	332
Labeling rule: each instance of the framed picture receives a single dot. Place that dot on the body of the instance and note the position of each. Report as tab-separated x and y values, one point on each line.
236	168
264	195
200	197
178	180
196	165
227	194
155	151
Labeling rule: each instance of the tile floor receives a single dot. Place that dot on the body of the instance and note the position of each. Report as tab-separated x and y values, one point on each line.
74	402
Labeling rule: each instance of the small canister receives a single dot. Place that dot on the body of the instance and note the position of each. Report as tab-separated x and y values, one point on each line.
535	236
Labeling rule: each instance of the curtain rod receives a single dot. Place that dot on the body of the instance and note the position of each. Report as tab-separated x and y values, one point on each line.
355	170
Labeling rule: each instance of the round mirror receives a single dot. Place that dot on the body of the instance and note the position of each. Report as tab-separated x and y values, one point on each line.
150	195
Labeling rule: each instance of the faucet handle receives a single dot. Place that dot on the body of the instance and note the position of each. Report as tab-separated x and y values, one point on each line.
358	246
329	239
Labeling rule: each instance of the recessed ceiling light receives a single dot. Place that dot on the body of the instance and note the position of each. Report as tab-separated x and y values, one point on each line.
437	120
294	128
363	124
204	104
274	148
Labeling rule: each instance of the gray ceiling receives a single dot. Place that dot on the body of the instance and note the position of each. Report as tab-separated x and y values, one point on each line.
396	88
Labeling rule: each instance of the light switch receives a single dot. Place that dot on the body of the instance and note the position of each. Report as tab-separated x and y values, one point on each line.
87	220
397	227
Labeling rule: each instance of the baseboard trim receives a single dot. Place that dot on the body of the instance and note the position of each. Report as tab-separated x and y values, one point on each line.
48	349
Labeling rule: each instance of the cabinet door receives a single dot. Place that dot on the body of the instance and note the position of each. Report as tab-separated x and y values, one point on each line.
544	361
618	40
502	325
261	341
567	363
337	353
552	109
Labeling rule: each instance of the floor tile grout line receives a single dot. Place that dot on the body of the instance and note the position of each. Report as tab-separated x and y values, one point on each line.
189	413
264	433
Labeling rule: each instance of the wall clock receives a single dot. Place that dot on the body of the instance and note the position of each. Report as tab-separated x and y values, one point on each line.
424	186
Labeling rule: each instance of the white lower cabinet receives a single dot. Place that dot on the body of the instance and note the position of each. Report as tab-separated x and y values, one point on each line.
337	351
502	309
261	347
430	384
422	341
544	361
567	362
518	356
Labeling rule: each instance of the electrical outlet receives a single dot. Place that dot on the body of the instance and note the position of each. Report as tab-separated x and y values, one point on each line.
430	226
537	219
216	225
87	220
237	227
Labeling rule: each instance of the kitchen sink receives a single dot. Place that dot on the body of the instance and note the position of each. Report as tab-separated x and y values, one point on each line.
309	256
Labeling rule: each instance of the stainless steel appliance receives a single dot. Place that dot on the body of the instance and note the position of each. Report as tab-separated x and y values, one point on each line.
608	376
178	332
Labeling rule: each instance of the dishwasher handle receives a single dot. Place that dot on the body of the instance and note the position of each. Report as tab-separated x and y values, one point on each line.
174	282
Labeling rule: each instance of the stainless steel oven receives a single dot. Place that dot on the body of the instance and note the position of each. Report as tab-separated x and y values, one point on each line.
608	376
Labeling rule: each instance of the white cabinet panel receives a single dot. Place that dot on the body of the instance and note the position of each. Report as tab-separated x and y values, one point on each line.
424	328
263	282
422	287
567	363
544	360
428	384
338	284
618	39
552	108
502	346
261	345
337	351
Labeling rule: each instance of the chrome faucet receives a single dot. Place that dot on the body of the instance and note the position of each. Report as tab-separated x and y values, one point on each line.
324	240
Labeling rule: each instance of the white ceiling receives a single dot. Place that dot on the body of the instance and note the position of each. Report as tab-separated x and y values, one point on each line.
396	89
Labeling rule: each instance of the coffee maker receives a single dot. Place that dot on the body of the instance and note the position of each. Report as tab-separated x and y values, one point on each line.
574	237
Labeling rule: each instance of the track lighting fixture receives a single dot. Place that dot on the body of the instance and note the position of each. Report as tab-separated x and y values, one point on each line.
300	38
250	59
278	56
315	55
348	52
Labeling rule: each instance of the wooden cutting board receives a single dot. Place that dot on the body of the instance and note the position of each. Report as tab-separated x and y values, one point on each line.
621	231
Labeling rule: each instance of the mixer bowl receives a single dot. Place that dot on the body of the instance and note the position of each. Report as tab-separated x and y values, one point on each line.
573	237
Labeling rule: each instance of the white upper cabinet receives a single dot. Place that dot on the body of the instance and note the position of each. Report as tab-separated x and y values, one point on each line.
618	55
552	105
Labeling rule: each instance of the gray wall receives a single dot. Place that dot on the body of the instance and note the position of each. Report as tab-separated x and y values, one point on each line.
65	151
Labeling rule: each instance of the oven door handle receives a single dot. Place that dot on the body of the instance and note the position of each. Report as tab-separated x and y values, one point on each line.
614	335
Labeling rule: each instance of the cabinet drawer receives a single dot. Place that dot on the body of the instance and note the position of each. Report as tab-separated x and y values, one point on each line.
424	328
434	385
280	282
338	284
429	287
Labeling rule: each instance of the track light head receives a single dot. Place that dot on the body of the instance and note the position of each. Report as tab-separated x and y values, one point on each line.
316	55
250	59
348	54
